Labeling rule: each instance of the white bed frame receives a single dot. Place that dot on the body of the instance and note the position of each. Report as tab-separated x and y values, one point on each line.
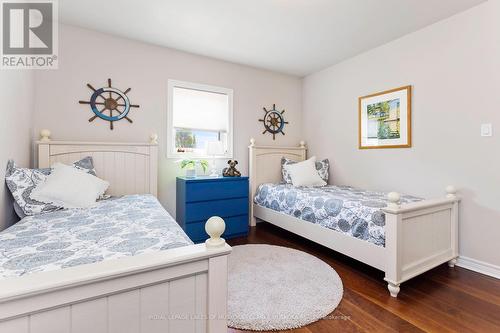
177	290
418	236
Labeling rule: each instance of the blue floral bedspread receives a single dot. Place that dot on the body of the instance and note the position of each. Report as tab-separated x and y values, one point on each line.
346	209
114	228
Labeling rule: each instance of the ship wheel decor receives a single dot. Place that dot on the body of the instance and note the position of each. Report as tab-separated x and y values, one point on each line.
274	122
109	104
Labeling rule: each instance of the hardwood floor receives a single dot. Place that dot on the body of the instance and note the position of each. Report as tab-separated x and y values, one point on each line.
441	300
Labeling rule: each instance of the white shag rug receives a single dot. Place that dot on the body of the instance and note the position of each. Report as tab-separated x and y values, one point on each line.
278	288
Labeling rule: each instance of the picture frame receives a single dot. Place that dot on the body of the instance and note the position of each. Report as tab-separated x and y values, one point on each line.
384	119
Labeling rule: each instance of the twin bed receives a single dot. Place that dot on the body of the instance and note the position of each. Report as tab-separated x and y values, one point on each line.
123	265
399	234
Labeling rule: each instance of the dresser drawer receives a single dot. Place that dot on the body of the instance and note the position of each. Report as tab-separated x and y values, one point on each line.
203	191
236	225
198	211
200	198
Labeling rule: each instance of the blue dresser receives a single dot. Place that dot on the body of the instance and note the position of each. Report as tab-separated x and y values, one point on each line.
200	198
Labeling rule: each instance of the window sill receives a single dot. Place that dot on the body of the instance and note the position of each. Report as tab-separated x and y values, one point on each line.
186	156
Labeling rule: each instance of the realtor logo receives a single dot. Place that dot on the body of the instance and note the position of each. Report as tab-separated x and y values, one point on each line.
29	34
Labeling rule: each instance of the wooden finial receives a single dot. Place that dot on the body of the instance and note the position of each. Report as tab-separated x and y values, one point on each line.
153	139
451	192
252	142
215	227
393	198
302	144
45	135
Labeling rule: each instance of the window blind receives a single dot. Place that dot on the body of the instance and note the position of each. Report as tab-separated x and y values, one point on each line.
201	110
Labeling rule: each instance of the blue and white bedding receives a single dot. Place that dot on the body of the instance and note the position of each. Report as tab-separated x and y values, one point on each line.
345	209
114	228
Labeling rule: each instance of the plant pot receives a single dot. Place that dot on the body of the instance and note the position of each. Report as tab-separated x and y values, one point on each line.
190	173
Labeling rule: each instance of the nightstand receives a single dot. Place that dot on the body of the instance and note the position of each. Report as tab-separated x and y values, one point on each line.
203	197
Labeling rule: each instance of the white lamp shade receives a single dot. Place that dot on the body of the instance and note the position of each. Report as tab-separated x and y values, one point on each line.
215	148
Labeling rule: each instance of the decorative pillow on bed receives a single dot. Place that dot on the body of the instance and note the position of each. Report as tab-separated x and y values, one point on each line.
18	210
304	173
69	187
85	164
22	181
321	166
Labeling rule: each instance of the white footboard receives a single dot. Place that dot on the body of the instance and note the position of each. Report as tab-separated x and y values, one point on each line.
177	290
419	236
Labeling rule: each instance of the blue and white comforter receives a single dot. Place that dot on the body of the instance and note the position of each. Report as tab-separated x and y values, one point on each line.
342	208
114	228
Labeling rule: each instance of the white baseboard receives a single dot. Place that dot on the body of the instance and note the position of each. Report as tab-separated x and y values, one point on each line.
479	266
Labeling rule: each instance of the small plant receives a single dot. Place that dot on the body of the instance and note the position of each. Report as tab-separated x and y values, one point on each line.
191	164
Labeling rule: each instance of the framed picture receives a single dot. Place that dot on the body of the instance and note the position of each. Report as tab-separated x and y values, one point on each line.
385	119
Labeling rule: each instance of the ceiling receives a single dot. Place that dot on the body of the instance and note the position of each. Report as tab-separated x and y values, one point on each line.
295	37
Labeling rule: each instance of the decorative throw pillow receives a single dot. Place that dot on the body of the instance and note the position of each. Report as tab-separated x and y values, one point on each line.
304	173
18	210
86	164
69	187
22	181
321	166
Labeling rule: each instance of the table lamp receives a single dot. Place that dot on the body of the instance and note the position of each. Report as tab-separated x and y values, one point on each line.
214	148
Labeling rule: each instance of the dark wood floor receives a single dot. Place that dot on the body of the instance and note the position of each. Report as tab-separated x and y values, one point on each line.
441	300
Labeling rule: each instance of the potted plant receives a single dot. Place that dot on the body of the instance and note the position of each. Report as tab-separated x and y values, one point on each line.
190	166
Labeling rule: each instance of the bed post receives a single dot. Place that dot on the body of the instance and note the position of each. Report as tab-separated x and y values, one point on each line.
392	234
252	172
153	164
217	277
43	149
452	194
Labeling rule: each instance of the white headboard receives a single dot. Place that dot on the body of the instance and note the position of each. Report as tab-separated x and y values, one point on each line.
130	168
265	165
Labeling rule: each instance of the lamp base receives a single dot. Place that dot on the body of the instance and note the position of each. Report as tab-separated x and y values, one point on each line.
214	169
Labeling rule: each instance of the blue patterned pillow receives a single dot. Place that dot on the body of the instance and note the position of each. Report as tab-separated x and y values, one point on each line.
22	181
18	210
86	164
321	166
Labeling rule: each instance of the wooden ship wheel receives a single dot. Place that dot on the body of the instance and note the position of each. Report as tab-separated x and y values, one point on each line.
274	121
109	104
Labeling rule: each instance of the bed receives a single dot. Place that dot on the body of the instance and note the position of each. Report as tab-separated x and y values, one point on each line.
401	235
123	265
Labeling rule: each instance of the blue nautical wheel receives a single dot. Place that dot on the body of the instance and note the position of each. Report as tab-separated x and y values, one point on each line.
274	121
109	104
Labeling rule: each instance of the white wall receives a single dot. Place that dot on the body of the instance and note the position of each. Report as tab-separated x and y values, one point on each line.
454	68
16	115
91	57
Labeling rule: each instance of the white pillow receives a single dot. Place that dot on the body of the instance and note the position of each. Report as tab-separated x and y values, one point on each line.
304	173
68	187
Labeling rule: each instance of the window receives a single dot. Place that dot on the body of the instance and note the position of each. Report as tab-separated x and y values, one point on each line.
198	114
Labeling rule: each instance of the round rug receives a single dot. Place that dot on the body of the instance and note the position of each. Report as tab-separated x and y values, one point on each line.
277	288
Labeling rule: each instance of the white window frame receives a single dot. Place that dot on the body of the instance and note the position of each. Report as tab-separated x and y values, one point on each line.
171	150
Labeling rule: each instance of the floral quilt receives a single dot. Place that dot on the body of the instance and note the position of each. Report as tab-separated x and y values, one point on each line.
345	209
114	228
